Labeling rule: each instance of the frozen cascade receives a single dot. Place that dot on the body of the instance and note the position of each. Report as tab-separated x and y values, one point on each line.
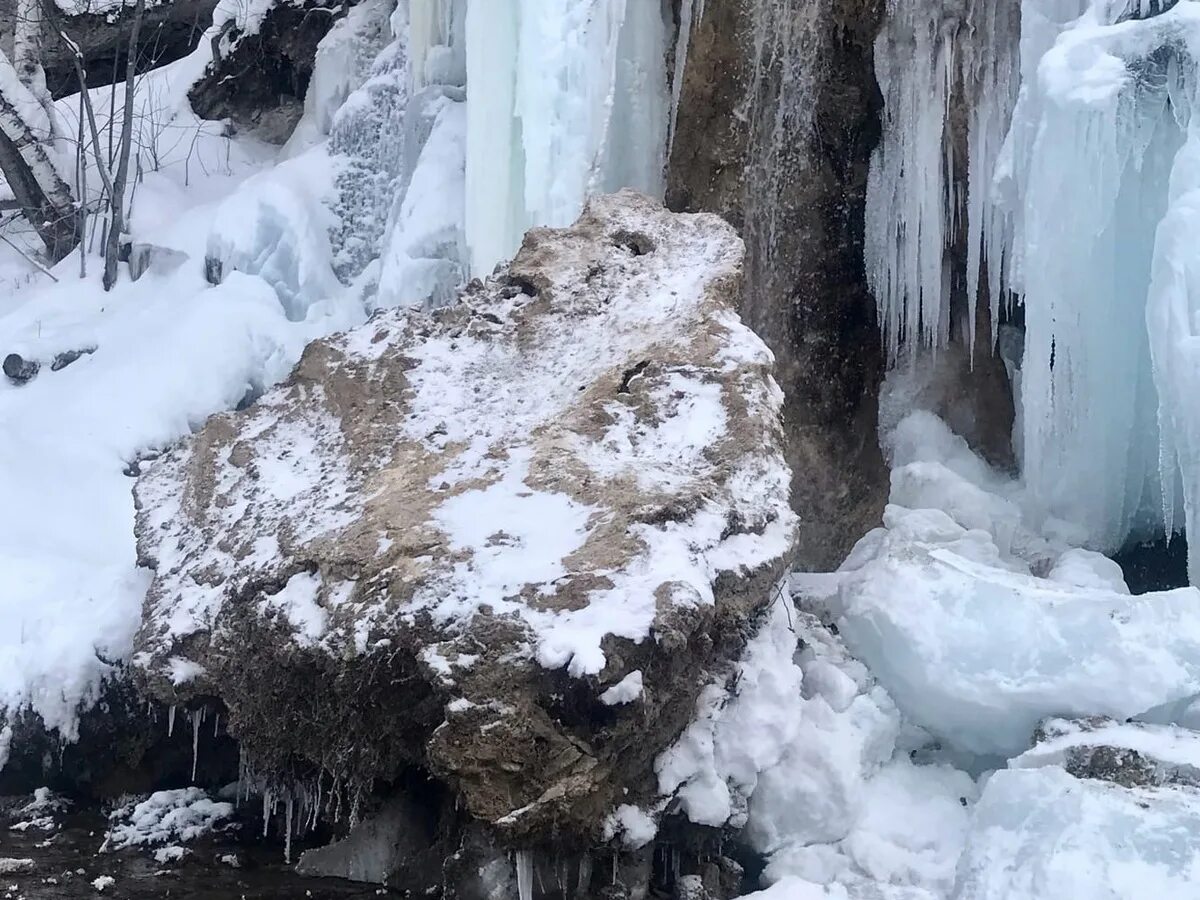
928	58
368	135
524	866
1060	207
572	102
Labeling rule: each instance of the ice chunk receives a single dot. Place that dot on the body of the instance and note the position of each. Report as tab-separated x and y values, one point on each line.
277	227
978	653
1040	834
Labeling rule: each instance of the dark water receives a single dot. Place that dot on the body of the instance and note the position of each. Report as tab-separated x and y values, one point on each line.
1157	565
66	861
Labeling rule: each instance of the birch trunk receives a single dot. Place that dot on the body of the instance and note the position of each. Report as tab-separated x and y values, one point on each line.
28	47
121	179
44	197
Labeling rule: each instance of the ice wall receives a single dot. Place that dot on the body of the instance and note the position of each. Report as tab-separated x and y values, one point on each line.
565	97
482	119
1072	195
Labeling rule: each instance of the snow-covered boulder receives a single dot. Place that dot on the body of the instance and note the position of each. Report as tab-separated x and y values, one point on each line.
447	537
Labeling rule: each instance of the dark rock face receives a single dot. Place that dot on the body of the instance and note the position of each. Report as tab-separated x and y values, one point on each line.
777	121
169	32
260	82
124	745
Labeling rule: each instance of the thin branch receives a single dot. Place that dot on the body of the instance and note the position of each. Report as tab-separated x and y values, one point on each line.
29	258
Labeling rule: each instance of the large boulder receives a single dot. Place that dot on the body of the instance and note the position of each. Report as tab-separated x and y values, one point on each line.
505	544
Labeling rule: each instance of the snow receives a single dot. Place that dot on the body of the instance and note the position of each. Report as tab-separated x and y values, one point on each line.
624	691
809	755
170	349
102	883
179	815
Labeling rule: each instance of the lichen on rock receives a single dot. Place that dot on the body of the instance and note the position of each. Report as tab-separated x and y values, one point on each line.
447	535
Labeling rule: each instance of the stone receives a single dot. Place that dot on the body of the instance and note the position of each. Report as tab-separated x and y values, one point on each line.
259	79
144	257
64	359
440	542
778	115
19	369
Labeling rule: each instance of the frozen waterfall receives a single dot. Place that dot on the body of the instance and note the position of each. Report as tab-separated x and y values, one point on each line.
564	98
1082	206
480	120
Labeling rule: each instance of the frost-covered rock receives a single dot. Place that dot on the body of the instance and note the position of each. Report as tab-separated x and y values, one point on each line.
448	535
176	815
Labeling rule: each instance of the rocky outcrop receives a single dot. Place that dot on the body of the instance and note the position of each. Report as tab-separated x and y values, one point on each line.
777	120
169	31
504	545
262	69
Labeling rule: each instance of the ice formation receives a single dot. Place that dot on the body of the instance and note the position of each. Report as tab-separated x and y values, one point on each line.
462	137
574	102
980	626
931	58
1081	209
809	755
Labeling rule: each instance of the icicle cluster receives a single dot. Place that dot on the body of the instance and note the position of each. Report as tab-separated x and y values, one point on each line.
931	59
1086	206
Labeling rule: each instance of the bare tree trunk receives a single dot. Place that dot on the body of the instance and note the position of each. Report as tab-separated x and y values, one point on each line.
28	37
117	226
44	197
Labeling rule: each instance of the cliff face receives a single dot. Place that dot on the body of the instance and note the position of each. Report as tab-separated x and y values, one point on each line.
778	115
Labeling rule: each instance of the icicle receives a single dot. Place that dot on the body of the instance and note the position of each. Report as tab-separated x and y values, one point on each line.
287	840
524	865
268	808
171	721
197	717
691	13
216	725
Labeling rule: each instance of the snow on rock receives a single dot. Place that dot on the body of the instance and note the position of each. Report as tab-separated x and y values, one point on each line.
572	474
1126	753
179	815
943	605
